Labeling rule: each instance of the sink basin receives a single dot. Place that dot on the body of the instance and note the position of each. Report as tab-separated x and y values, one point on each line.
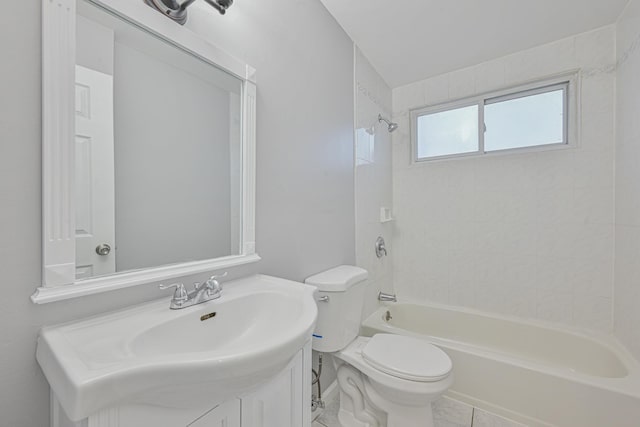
189	358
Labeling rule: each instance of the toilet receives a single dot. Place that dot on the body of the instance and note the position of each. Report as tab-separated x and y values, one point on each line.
386	380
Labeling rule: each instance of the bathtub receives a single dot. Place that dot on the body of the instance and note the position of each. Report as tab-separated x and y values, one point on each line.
529	371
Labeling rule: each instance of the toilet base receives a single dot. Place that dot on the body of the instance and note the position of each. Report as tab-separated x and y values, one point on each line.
362	406
412	417
346	417
356	409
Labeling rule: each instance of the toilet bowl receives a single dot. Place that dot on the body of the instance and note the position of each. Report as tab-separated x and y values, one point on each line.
386	380
402	385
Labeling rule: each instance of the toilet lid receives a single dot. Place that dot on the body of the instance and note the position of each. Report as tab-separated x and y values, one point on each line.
407	358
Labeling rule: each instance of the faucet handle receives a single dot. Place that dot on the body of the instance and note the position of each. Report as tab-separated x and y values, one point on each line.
213	280
219	276
173	285
180	295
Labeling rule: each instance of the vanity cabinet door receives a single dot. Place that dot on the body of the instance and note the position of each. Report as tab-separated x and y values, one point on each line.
226	414
278	403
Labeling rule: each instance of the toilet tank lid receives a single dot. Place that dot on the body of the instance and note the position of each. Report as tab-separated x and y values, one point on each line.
338	279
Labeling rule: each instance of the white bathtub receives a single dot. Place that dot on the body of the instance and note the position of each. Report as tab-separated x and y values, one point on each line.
529	371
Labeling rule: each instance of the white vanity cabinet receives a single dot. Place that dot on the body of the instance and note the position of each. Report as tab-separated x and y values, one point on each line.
224	415
283	401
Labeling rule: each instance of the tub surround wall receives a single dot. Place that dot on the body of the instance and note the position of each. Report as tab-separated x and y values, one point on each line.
627	230
305	209
372	178
528	234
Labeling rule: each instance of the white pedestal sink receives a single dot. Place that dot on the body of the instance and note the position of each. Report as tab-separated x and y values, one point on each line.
178	358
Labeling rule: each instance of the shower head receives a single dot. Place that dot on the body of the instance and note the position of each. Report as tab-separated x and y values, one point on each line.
390	125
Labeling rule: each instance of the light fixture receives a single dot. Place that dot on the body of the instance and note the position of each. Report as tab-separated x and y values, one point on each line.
178	11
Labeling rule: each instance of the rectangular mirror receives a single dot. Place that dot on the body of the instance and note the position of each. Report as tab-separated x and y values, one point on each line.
159	178
157	151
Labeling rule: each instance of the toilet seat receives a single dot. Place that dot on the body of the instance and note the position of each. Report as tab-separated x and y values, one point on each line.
407	358
352	355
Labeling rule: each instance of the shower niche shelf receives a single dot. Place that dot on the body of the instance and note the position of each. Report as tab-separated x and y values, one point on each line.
386	215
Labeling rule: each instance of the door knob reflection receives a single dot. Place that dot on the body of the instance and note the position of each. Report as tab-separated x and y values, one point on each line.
103	249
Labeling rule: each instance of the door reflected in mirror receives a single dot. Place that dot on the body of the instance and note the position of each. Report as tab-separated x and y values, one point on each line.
158	151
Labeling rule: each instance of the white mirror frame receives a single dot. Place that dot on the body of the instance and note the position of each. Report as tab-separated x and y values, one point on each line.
58	151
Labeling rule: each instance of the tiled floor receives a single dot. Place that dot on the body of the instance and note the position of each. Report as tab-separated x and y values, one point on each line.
446	413
329	415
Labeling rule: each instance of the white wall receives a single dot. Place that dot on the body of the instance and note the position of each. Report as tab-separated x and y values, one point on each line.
305	214
305	170
627	265
372	179
527	234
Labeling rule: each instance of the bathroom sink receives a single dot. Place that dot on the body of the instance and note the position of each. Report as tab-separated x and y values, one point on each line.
189	358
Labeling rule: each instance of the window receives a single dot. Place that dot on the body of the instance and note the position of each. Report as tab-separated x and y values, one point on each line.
448	132
521	118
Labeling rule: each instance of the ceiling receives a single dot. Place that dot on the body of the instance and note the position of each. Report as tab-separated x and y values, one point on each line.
410	40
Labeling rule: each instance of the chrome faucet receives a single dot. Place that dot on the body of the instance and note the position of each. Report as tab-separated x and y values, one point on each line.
202	292
387	297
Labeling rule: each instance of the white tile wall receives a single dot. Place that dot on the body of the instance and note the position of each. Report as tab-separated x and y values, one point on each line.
627	264
372	179
528	234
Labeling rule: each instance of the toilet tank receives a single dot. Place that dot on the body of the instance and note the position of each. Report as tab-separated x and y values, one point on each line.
340	301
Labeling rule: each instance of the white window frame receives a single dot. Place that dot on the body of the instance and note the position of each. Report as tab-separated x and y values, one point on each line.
568	82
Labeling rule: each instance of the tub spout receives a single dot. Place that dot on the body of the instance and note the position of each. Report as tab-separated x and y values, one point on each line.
387	297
